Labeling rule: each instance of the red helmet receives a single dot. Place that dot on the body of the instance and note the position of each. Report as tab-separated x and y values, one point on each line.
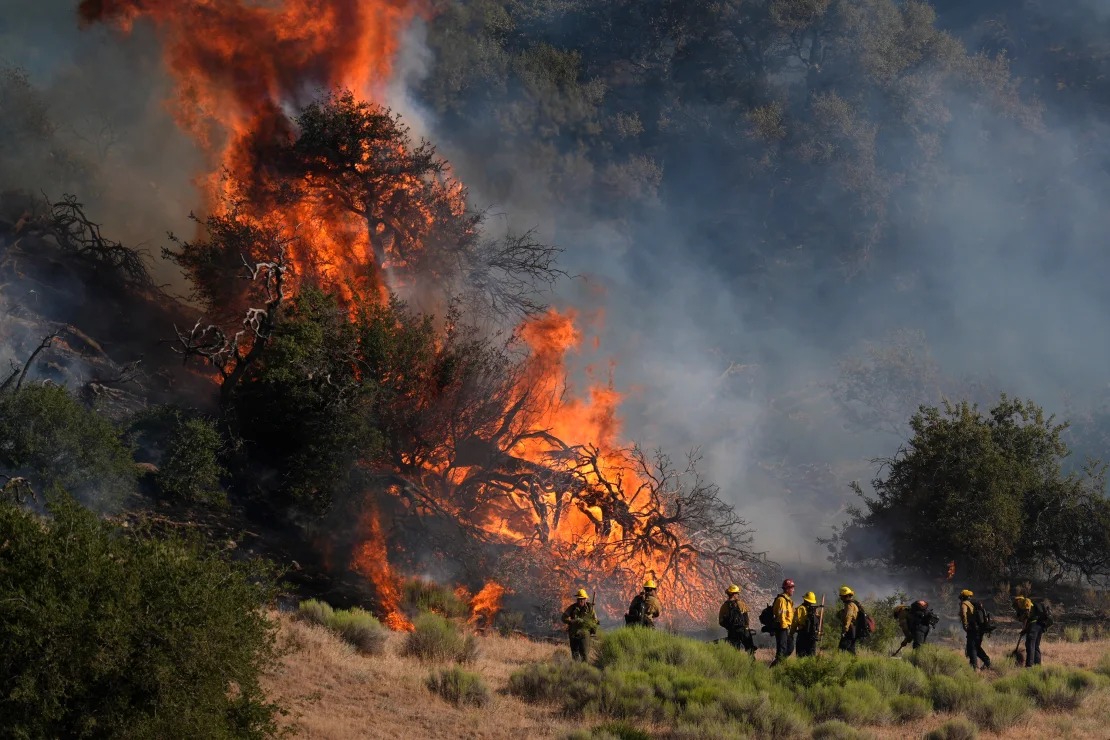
787	584
921	604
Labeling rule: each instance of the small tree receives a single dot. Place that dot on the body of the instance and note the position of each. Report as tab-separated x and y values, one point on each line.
986	491
115	634
191	470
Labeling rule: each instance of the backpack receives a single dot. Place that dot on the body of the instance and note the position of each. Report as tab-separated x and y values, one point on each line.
1045	616
812	622
983	619
864	624
767	618
737	620
637	611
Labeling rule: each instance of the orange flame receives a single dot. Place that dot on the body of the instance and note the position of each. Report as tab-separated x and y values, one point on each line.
951	570
371	560
486	604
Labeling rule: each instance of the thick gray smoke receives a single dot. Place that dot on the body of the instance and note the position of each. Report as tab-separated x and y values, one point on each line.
1006	295
999	291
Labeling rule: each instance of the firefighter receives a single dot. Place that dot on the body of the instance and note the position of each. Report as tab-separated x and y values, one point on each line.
581	622
1035	619
806	626
974	646
922	620
734	618
783	610
901	614
645	607
848	615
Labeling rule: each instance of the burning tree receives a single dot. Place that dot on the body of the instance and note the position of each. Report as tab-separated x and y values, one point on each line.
410	430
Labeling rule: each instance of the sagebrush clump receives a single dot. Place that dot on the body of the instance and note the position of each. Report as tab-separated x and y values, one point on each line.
438	639
459	687
357	627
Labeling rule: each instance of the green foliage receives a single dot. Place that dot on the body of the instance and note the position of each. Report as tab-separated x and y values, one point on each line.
835	729
937	661
357	626
610	731
986	483
47	436
437	639
1103	667
950	694
1051	687
508	622
996	712
110	633
855	702
422	595
954	729
891	677
909	708
459	687
190	471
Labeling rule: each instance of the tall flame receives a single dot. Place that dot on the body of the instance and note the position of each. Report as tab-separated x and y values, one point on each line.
486	604
370	559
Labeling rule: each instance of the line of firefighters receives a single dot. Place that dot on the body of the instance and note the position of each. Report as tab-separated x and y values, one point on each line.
799	628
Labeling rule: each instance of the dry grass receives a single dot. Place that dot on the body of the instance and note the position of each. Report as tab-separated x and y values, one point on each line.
333	692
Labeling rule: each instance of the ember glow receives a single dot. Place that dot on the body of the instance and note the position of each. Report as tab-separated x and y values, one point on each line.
553	476
951	570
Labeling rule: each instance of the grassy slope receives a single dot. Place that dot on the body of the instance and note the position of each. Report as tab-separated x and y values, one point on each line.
332	692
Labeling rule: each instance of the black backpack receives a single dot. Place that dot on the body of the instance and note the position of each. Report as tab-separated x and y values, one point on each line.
983	619
737	620
1043	613
767	618
637	611
813	617
864	624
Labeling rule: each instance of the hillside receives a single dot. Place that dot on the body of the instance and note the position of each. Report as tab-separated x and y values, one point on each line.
333	692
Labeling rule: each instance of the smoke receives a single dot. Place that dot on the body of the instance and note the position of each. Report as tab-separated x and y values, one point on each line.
714	350
1004	291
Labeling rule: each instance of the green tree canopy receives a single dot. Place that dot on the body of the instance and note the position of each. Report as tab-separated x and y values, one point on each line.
127	635
986	491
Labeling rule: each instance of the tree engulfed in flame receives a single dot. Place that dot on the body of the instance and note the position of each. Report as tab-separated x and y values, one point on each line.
520	464
486	604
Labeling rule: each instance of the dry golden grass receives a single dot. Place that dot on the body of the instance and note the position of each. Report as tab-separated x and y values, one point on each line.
332	692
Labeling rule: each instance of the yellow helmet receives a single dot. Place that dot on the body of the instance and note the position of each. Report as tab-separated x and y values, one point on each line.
581	594
845	591
733	589
966	593
809	598
650	584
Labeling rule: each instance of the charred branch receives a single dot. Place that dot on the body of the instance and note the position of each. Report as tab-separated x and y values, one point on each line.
19	373
75	232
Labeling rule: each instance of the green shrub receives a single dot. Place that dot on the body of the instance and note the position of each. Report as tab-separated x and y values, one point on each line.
50	438
459	687
1073	633
190	470
834	729
115	633
954	729
818	670
361	629
854	702
955	694
436	638
1051	687
618	731
890	677
316	612
1103	667
996	712
909	708
428	596
936	661
648	676
356	626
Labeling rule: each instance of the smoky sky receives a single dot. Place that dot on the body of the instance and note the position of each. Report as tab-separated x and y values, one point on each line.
708	356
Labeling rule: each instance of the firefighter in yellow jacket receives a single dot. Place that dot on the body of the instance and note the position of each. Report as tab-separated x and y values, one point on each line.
645	607
806	626
734	617
783	611
973	648
581	622
849	613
